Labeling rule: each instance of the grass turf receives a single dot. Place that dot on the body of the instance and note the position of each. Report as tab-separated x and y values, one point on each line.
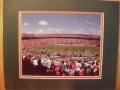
67	48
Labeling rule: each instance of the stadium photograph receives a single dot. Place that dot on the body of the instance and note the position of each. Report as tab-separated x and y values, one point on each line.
60	45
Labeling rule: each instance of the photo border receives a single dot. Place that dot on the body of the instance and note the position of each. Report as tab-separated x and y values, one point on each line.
59	77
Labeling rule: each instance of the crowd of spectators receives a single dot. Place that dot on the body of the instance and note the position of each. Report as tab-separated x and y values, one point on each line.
60	63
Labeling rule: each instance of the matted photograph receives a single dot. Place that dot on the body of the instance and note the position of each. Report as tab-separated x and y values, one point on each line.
60	44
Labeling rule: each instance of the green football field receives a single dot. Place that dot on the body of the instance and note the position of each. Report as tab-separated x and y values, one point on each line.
66	48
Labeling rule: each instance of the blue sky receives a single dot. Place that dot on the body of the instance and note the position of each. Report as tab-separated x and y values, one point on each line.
61	23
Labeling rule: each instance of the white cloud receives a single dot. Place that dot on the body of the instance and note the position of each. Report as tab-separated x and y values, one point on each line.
29	32
40	31
98	32
63	29
91	23
76	32
43	23
92	29
25	23
51	29
88	22
81	30
55	31
58	30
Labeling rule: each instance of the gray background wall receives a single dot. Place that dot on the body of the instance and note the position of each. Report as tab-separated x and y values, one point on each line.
10	29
